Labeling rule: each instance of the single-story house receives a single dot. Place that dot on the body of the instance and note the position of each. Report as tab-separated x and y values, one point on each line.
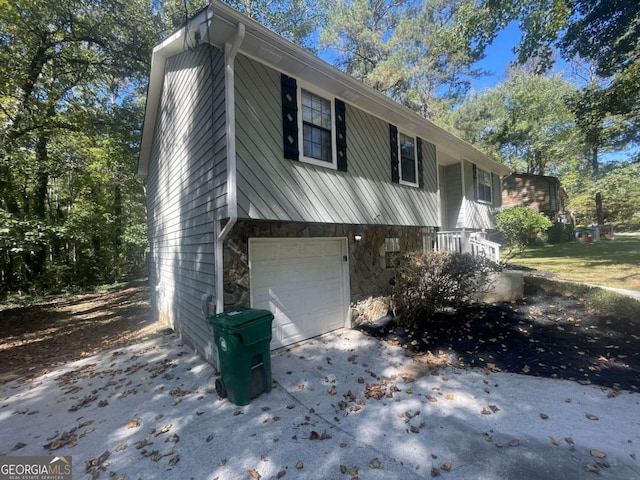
542	193
277	181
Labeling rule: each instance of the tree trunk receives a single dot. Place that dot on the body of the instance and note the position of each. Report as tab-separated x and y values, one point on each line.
599	211
39	256
598	198
117	213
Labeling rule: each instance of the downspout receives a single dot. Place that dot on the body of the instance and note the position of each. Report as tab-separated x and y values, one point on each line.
221	232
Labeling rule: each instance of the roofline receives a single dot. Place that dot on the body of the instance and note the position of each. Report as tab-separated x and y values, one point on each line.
283	55
523	174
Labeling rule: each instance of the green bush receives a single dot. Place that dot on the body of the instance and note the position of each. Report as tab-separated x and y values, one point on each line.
520	226
560	233
428	282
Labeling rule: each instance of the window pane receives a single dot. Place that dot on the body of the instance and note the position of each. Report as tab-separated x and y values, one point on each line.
316	117
484	185
407	158
408	170
406	146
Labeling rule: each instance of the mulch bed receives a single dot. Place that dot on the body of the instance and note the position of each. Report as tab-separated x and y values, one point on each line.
545	334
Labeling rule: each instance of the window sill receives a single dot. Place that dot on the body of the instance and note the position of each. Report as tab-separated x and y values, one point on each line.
409	184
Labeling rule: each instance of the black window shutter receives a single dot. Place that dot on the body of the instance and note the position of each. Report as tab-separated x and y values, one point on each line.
494	191
393	144
420	167
341	135
475	182
289	117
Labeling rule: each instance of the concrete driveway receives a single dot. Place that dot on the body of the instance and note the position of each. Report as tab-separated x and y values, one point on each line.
343	406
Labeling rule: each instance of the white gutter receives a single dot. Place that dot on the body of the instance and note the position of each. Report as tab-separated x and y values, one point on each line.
221	233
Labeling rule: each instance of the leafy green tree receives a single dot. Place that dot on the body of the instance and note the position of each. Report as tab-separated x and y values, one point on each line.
295	20
620	184
519	227
524	121
67	68
420	54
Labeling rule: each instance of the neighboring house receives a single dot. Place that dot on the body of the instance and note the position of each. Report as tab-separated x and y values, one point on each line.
541	193
275	180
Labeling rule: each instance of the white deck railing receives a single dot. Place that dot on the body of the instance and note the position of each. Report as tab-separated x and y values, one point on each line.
461	241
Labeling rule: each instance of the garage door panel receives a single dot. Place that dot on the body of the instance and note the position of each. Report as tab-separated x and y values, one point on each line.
303	282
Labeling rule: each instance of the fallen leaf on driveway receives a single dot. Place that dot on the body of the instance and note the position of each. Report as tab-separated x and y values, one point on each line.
494	408
299	465
67	438
435	471
485	412
448	397
83	402
544	416
174	460
253	474
598	454
19	445
164	429
375	463
514	443
133	423
591	416
591	468
141	444
554	441
432	399
96	462
446	466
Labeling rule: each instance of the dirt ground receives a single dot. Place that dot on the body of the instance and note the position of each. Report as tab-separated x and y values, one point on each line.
40	337
545	334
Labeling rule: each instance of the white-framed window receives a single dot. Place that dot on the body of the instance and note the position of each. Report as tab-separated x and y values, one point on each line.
483	186
316	128
391	251
407	154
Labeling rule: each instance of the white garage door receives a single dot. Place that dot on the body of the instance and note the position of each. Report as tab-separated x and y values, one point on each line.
304	282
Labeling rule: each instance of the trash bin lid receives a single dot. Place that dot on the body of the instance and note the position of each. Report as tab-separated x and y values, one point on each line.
239	317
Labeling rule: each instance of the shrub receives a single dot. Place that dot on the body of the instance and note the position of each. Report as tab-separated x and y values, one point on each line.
560	233
520	226
428	282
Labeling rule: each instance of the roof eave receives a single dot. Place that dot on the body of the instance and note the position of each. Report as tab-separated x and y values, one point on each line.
275	51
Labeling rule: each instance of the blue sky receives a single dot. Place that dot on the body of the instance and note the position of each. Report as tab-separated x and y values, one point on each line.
497	57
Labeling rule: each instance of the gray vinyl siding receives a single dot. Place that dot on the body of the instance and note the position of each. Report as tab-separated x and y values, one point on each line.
475	215
453	196
186	189
273	188
430	166
496	190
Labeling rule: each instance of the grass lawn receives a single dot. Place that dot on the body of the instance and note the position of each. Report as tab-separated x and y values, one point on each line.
613	263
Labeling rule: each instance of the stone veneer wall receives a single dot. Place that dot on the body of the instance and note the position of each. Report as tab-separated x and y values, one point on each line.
368	275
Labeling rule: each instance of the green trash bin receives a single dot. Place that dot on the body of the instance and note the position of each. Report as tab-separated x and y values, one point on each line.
242	336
